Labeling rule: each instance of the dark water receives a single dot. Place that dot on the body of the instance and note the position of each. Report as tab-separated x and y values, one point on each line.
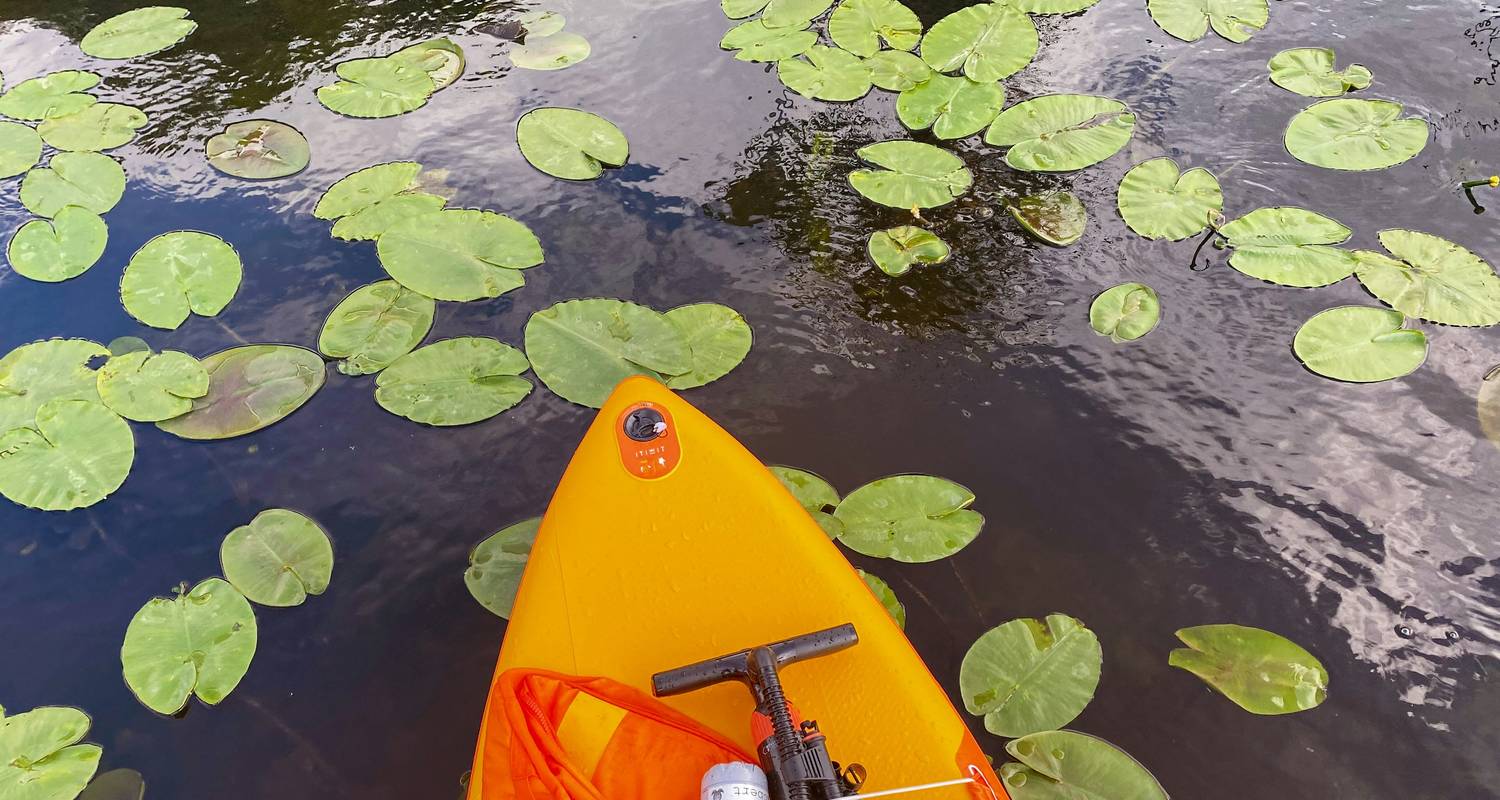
1200	475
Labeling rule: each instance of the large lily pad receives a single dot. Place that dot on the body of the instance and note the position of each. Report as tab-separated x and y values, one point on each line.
1356	135
1309	71
57	94
570	144
886	596
177	274
1061	132
377	87
785	13
896	250
89	180
375	325
1029	675
1057	218
1126	312
1066	765
553	51
1189	20
40	754
1158	201
279	559
988	41
718	338
52	369
58	250
101	126
459	254
814	494
258	149
199	643
20	148
148	387
250	387
1289	246
913	175
912	518
1431	278
1260	671
897	70
859	26
582	348
454	381
138	32
952	107
1360	344
755	41
497	563
826	73
73	455
441	59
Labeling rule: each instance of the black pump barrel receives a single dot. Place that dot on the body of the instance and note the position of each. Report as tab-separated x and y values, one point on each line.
736	666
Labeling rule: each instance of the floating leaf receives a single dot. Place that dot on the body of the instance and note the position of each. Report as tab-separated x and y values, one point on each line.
1309	71
1289	246
912	518
757	42
1049	6
138	32
20	148
887	598
1260	671
179	273
739	9
1359	344
826	73
1188	20
496	566
1159	202
375	325
582	348
1356	135
1431	278
952	107
546	23
117	784
370	223
377	87
1126	312
144	387
360	190
718	338
120	345
554	51
1054	765
454	381
249	388
1029	675
915	175
897	70
258	149
58	250
52	369
73	455
785	13
40	754
570	144
93	181
1061	132
1057	218
988	42
814	494
859	26
57	94
101	126
459	254
279	559
441	59
199	643
896	250
1489	406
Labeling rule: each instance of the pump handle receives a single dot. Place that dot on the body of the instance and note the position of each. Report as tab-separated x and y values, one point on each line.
736	666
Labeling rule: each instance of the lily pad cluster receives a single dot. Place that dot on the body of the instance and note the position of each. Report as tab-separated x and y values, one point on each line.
395	84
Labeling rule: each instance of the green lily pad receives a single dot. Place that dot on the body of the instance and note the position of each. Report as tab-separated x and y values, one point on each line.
117	784
1289	246
814	494
40	754
199	643
148	387
1355	135
887	598
459	254
20	148
988	41
258	149
1061	132
755	41
913	175
1029	675
1057	218
554	51
1126	312
454	381
377	87
786	13
1049	6
52	369
897	70
101	126
859	26
177	274
1359	344
740	9
375	325
911	518
73	455
138	32
58	250
952	107
360	190
546	23
249	388
1158	201
1058	765
57	94
1309	71
279	559
370	224
826	73
1260	671
497	563
1189	20
896	250
441	59
582	348
718	338
93	181
1431	278
570	144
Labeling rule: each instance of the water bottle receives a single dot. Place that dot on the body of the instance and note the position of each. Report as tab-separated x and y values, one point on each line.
734	780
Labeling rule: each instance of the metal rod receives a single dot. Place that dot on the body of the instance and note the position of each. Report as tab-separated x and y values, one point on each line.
909	789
